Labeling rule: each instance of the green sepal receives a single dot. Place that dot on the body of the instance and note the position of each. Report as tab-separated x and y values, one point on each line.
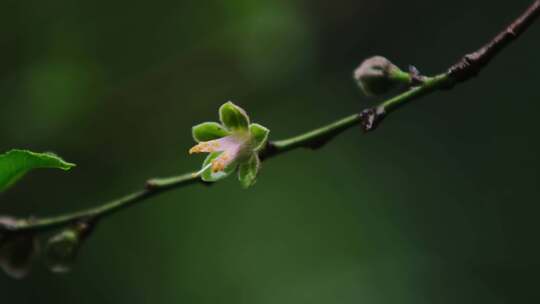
208	131
247	171
259	135
209	176
16	163
233	117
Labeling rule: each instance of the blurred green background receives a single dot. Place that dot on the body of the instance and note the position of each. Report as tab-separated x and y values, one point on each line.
439	205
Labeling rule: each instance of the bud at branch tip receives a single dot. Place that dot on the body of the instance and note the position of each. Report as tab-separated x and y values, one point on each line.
377	75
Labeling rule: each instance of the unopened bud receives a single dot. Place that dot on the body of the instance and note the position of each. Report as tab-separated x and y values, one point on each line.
63	248
377	75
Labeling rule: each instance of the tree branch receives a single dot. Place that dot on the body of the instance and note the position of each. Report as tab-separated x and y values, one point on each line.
469	66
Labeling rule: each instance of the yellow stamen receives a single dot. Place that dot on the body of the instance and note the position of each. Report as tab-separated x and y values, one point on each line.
208	147
219	163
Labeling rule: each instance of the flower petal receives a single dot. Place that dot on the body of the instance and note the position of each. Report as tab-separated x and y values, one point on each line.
231	143
206	147
259	135
247	172
209	175
233	117
208	131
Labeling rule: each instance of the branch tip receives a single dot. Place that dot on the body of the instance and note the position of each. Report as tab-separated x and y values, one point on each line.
471	64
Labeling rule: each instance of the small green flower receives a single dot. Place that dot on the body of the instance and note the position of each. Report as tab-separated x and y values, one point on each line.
235	143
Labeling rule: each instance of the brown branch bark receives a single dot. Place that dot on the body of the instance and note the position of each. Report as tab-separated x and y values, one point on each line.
471	64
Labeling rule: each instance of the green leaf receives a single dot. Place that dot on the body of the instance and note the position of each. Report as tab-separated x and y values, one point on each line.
208	131
233	117
208	175
259	136
16	163
247	172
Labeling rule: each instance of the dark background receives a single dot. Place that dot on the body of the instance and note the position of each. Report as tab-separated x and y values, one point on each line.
439	205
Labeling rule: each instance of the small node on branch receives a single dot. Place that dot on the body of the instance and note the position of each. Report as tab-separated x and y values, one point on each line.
7	224
151	184
469	66
416	77
371	117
